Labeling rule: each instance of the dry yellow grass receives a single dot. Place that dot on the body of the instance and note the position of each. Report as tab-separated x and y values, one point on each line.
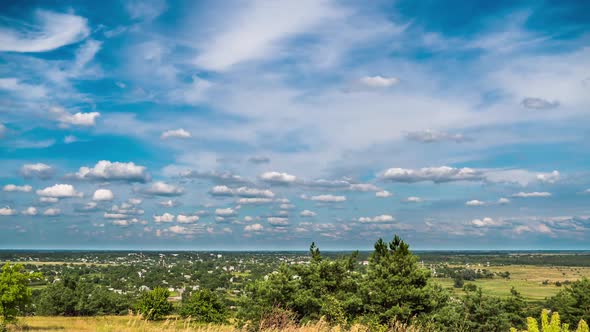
173	324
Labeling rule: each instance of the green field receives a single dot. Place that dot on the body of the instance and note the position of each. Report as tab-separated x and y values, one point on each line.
526	279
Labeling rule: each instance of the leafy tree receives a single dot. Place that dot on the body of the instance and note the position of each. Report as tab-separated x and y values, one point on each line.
14	291
204	306
395	287
573	302
458	282
74	297
57	300
154	305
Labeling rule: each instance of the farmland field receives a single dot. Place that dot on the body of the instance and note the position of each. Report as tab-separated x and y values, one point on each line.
526	279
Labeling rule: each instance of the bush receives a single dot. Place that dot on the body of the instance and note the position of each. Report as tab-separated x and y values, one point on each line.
204	306
154	305
553	325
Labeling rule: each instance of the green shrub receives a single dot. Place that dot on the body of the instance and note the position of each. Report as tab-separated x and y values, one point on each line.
553	325
154	305
204	306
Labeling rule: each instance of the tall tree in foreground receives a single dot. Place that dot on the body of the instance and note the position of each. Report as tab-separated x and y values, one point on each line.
396	287
14	291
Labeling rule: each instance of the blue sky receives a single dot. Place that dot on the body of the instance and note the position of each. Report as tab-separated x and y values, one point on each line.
268	125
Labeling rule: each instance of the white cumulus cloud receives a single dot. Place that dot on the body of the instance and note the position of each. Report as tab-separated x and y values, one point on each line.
254	228
105	170
30	211
307	213
103	195
277	178
59	191
12	187
434	174
384	218
7	211
186	219
166	217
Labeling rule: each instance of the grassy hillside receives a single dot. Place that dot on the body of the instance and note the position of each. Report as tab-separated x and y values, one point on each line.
135	324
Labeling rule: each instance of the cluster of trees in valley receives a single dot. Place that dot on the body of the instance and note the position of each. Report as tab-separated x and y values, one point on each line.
392	285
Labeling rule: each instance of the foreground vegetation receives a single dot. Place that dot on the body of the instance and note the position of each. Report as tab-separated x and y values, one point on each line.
392	290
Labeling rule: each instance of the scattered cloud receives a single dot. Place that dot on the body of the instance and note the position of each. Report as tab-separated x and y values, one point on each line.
161	188
475	202
48	199
383	194
539	103
277	178
413	199
278	221
364	187
180	230
260	31
11	187
225	212
246	192
166	217
186	219
168	203
307	214
374	82
486	222
503	200
254	228
59	191
227	178
103	195
22	89
7	211
30	211
434	174
38	170
176	133
532	194
50	31
77	119
105	170
52	212
549	177
329	198
384	218
145	10
430	136
254	200
259	160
